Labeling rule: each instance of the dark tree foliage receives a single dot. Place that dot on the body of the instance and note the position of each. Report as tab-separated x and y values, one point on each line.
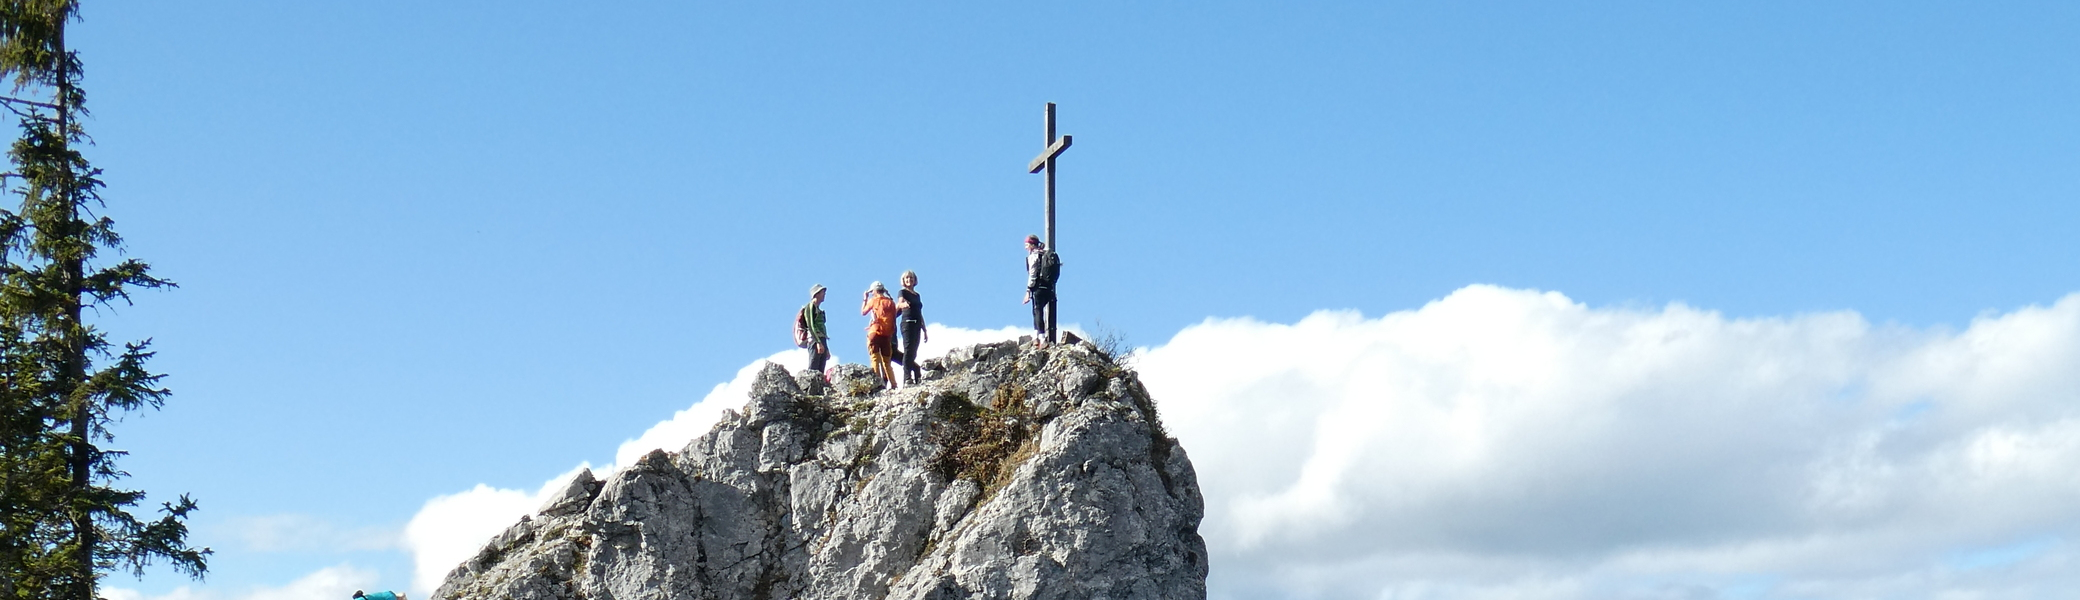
63	523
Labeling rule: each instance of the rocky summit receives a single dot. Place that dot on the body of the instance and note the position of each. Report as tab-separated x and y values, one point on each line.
1011	472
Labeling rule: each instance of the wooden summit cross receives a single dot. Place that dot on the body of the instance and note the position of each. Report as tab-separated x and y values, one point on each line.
1045	162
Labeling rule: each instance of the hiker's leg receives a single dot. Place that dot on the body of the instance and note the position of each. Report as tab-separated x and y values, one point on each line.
1052	318
878	347
911	372
893	375
888	358
1040	298
873	357
1043	303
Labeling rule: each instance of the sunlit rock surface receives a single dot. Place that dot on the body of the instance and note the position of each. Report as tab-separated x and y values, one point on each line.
1010	473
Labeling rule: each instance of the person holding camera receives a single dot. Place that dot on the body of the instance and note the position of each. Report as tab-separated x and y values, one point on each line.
881	330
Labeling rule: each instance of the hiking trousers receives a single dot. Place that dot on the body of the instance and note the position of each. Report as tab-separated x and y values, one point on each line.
1043	303
880	348
911	331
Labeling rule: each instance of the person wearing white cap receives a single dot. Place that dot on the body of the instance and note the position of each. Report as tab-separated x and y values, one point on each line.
881	330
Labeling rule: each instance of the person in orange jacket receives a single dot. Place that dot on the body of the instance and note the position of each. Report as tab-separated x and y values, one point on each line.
881	330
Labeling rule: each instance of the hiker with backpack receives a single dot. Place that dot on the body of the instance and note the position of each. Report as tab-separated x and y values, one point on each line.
1043	268
881	330
809	332
912	307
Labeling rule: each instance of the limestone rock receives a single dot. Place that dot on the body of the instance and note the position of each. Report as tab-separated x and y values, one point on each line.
1010	473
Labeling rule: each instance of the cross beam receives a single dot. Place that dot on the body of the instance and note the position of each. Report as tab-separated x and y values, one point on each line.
1046	158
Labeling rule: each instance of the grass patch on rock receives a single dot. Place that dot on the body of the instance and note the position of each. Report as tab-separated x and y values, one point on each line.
983	444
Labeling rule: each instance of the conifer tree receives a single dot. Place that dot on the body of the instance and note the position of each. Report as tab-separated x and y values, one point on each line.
61	382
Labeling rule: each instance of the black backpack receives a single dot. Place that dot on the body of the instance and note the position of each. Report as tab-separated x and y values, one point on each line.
1050	267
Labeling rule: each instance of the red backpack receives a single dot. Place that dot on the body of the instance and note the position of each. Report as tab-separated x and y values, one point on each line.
801	328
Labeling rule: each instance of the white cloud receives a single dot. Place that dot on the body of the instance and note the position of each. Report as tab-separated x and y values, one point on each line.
330	583
450	529
292	532
1515	444
672	435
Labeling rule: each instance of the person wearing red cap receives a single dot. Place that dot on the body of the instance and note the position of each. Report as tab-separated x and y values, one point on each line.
1041	270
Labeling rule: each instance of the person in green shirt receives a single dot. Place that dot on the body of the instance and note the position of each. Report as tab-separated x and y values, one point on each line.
379	596
811	317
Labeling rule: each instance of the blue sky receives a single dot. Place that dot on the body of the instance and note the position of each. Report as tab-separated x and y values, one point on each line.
427	246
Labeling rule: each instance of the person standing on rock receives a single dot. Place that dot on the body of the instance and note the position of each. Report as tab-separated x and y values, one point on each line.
912	306
1041	270
817	337
881	330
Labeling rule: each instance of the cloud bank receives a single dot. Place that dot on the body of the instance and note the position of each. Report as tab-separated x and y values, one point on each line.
1502	443
323	583
1513	444
302	532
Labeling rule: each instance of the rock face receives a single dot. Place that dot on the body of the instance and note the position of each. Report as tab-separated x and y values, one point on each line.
1010	473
